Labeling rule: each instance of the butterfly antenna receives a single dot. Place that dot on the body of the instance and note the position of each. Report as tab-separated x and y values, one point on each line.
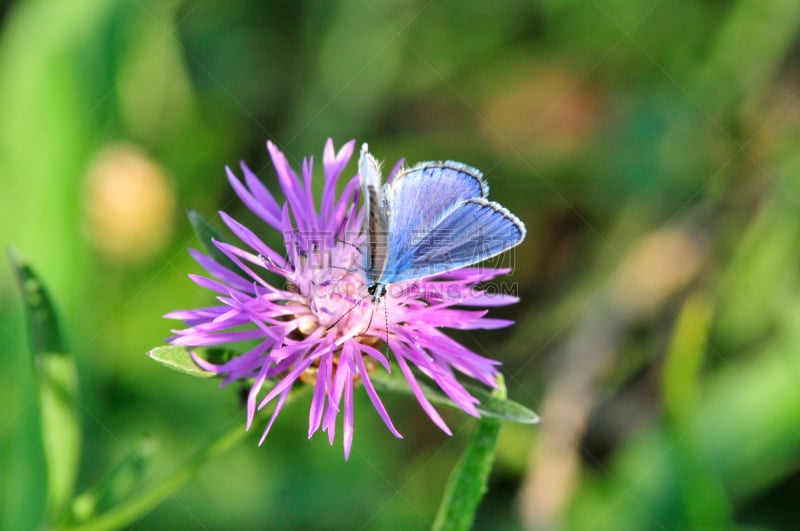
351	244
386	319
345	314
369	324
340	235
340	239
354	246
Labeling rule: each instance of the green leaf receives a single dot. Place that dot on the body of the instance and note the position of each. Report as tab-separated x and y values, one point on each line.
703	492
685	359
206	233
178	359
467	483
58	385
45	335
491	405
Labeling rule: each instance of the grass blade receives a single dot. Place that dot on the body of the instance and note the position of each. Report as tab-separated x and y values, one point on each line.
57	378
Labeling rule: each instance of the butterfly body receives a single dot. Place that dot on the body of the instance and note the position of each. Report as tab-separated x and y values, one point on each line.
431	219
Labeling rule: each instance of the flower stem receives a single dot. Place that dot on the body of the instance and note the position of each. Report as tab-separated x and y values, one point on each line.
467	484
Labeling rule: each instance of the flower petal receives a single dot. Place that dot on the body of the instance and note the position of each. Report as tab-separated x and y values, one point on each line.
426	406
260	201
375	399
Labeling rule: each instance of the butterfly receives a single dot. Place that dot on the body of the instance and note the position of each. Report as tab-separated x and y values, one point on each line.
430	219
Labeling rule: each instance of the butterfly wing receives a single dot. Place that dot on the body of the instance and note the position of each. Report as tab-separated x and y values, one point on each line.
441	221
377	219
419	197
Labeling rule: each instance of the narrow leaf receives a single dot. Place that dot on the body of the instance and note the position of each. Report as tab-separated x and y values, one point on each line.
704	494
207	234
467	483
58	385
45	335
178	359
491	405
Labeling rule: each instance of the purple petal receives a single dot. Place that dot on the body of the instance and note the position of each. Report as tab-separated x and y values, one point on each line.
192	339
345	201
260	192
311	213
203	314
262	208
278	408
252	396
426	406
395	169
333	165
347	427
289	183
220	272
453	389
290	378
203	364
318	400
375	354
486	323
375	399
255	243
329	371
234	253
207	283
340	380
246	361
489	299
460	357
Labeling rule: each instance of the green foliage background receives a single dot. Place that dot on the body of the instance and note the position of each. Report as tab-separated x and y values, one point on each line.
652	148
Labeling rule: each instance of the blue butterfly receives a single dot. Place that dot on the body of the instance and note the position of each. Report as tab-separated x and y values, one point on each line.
430	219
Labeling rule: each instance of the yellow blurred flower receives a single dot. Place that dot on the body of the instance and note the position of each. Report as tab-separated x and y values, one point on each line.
129	204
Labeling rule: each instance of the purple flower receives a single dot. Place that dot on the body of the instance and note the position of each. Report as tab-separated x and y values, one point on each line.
322	327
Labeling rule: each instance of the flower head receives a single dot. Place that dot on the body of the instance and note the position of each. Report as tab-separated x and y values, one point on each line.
322	327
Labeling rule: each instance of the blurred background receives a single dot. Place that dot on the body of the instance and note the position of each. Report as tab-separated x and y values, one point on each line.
652	148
